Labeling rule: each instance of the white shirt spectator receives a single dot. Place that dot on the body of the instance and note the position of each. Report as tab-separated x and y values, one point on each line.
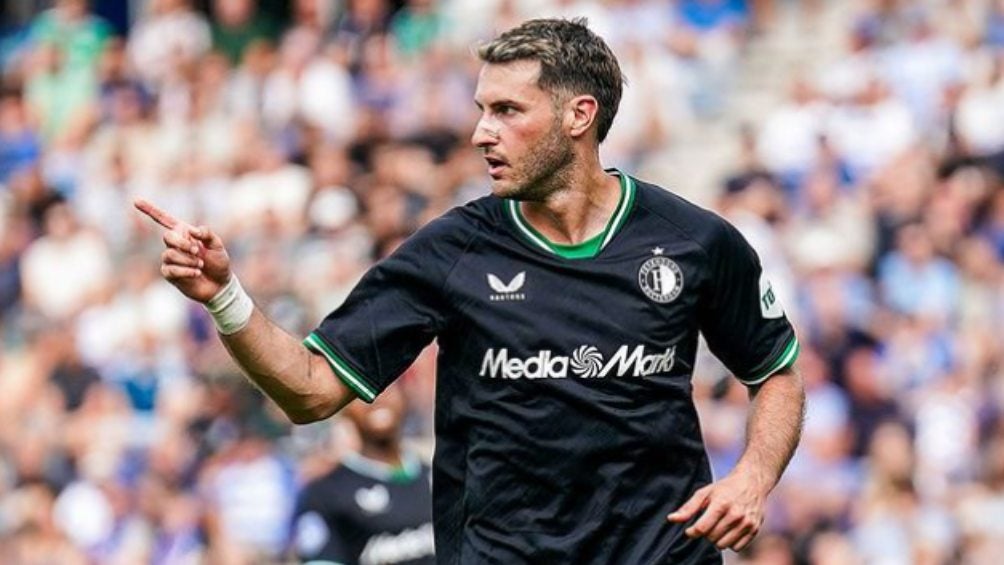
62	272
172	34
849	75
653	104
314	88
789	139
276	189
920	72
84	513
109	333
254	500
979	118
869	136
595	12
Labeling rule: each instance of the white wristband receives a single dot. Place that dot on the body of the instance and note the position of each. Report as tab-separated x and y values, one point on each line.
231	307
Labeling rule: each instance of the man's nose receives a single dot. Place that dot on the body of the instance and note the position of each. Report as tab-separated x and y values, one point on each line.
484	136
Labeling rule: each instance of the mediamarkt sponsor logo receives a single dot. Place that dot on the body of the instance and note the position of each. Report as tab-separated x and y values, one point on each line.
585	362
409	545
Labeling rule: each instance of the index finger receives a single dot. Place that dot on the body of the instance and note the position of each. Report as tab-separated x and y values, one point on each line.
690	508
156	214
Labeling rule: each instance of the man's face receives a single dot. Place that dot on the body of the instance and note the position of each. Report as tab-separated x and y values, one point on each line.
380	422
520	131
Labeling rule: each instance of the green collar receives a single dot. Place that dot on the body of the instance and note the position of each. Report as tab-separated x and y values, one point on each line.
592	246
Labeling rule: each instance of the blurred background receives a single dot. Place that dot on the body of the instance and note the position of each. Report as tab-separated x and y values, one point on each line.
858	145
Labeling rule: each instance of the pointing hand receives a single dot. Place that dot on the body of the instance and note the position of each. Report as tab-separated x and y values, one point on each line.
194	260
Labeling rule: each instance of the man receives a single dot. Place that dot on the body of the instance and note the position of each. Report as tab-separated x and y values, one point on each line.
376	506
567	307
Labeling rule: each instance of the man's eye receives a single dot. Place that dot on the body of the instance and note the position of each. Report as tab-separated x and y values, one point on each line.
505	110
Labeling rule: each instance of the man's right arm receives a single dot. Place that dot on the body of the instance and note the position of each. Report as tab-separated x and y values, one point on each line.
197	264
300	382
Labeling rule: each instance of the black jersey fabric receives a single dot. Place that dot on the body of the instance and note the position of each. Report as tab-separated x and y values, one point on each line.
364	513
565	427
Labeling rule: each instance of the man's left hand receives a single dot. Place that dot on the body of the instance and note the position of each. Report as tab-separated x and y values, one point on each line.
733	510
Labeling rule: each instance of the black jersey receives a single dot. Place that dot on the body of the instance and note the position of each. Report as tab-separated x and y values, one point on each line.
565	426
365	513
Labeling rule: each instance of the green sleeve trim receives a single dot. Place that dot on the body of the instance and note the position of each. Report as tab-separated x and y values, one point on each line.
786	359
352	379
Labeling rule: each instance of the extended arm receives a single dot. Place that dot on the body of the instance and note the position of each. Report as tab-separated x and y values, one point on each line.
731	510
301	383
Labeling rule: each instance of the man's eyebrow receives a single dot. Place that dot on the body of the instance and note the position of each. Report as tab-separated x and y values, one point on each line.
497	103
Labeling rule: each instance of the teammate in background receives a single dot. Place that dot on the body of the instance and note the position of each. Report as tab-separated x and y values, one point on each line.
376	506
567	307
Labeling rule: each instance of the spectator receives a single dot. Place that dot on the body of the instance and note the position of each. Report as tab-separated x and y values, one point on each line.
65	252
388	516
361	20
20	146
237	25
417	26
310	86
78	36
915	281
272	193
921	70
37	539
871	131
979	115
171	37
788	144
994	31
248	489
871	395
62	101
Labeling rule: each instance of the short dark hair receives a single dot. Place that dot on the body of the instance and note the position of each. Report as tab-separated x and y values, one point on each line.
573	60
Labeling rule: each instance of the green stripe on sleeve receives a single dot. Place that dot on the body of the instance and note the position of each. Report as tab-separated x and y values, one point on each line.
351	378
785	360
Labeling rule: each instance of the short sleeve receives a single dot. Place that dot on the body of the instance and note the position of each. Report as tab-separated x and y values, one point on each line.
741	318
393	313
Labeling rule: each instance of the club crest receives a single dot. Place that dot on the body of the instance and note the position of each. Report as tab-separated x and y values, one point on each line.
660	278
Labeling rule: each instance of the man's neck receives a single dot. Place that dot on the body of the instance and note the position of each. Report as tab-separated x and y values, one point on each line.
386	453
580	210
404	467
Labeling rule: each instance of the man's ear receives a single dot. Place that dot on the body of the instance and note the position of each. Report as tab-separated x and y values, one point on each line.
581	114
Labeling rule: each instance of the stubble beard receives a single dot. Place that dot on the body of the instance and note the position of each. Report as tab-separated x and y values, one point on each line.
545	169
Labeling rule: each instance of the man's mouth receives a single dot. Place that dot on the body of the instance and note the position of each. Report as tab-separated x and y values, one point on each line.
495	166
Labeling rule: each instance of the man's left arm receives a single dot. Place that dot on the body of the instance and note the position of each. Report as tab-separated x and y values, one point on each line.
731	510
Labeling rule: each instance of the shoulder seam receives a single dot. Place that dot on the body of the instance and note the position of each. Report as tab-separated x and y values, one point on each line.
680	229
475	232
467	245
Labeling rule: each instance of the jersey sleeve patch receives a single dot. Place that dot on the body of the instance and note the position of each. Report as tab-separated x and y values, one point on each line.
350	377
784	360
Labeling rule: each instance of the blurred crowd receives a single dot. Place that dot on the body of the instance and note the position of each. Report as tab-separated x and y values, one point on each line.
314	135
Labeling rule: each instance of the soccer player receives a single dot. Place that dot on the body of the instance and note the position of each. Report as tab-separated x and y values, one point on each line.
567	306
376	506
